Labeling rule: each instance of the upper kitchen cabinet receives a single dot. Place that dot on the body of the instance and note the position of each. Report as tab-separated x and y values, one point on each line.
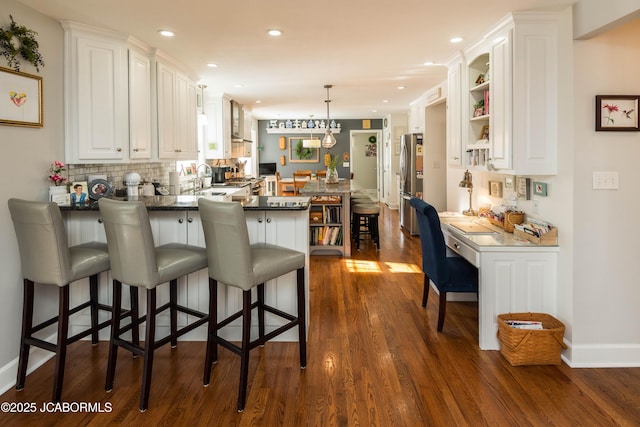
95	103
217	141
177	112
140	123
454	112
525	76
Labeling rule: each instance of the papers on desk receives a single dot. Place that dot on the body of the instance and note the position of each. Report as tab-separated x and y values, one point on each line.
471	228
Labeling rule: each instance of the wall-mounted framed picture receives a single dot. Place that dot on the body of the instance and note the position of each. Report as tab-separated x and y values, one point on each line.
21	99
540	188
617	113
495	188
508	182
300	154
523	187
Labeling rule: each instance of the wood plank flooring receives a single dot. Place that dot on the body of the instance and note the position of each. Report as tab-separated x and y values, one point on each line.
374	359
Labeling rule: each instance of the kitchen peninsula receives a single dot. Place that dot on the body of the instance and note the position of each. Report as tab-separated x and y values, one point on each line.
282	221
331	202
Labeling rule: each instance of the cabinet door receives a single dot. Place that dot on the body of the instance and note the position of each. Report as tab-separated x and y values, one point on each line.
218	131
186	138
454	115
501	101
139	105
98	123
167	126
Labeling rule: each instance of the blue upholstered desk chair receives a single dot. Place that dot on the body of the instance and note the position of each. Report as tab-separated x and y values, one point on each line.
235	262
448	274
137	262
47	259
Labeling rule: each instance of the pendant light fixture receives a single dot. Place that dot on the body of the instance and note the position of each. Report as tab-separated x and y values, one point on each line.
311	143
202	117
329	140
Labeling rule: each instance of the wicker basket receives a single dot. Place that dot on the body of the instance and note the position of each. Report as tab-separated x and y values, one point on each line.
531	347
511	218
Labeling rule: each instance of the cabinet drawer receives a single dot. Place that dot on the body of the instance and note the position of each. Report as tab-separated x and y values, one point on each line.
463	250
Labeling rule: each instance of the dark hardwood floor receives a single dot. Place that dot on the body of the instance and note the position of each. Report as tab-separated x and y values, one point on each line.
374	359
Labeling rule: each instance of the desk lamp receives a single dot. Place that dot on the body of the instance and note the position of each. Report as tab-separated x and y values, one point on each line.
468	184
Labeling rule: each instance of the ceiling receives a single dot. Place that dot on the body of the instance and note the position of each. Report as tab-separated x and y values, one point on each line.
365	48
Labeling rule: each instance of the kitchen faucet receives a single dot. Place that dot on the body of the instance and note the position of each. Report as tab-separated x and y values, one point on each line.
207	168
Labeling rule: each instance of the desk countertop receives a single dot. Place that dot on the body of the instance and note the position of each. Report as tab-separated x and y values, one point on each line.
497	240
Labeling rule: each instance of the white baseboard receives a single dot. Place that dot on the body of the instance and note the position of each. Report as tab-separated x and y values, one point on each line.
602	355
37	358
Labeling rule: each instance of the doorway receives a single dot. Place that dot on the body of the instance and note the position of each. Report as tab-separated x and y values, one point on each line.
366	158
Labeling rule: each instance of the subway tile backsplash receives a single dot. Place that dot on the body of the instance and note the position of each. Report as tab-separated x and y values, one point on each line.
115	172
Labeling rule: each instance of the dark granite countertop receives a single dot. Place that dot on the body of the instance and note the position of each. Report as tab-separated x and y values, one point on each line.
189	202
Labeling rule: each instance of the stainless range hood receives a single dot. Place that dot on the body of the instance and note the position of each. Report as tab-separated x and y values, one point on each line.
237	124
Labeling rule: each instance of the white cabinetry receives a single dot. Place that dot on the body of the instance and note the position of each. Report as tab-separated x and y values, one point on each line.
177	113
95	102
218	131
526	55
140	131
454	113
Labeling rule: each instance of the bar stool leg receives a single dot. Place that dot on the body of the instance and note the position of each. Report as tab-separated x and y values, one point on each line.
61	345
173	311
116	310
211	355
244	351
93	297
260	291
149	344
135	316
302	319
27	326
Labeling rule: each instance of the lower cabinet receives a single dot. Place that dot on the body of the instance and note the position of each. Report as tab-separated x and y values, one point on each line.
285	228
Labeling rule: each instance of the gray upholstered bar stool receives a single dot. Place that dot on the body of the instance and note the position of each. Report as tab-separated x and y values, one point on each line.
47	259
137	262
235	262
365	221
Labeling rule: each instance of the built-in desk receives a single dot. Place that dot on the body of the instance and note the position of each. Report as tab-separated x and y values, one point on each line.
514	275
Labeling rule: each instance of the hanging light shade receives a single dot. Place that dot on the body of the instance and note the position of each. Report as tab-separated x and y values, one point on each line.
311	143
329	140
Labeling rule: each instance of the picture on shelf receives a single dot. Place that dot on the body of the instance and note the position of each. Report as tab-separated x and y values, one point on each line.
484	133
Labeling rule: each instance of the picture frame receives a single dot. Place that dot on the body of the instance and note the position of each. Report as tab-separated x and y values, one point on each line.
484	133
523	187
299	154
81	196
495	188
21	99
540	188
508	182
617	113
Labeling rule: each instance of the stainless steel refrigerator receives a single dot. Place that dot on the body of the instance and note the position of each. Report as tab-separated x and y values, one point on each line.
411	173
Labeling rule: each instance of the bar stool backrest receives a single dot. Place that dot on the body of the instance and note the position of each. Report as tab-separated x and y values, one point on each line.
130	242
42	241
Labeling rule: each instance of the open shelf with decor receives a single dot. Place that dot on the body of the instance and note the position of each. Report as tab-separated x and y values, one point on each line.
478	146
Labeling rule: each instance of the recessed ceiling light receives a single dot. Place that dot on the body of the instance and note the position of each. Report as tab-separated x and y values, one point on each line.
274	32
239	85
428	63
166	33
456	40
212	65
258	102
400	87
385	100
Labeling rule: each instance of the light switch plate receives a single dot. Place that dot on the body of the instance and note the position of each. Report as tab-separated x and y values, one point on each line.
605	180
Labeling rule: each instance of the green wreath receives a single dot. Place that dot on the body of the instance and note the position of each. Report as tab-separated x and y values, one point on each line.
303	153
27	45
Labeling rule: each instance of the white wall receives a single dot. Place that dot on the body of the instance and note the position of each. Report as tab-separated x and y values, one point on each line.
27	154
607	267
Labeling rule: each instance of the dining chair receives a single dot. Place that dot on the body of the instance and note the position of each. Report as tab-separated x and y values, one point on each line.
284	188
138	263
321	173
47	259
447	273
234	262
